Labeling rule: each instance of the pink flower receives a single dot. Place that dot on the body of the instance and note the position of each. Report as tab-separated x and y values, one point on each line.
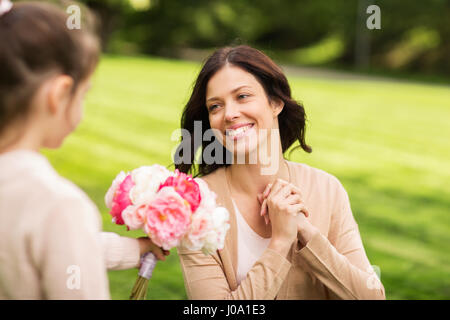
112	190
168	218
186	187
135	216
121	199
209	225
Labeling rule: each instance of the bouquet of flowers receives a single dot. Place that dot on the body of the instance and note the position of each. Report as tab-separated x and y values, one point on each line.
172	208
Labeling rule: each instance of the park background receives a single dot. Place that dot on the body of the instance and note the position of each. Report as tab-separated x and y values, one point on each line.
377	103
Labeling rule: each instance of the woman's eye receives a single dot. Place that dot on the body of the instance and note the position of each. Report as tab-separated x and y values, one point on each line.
243	96
213	107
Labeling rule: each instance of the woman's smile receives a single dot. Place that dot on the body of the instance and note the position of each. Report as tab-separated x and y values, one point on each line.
239	131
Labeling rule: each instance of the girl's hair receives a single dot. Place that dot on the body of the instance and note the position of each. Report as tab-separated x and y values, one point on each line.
34	44
291	119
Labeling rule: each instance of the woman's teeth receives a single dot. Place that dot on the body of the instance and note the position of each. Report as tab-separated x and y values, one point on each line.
238	131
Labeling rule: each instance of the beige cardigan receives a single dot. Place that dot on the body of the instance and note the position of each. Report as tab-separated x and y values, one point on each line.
50	235
333	264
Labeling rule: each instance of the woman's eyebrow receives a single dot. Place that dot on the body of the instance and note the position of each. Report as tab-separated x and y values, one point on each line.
232	91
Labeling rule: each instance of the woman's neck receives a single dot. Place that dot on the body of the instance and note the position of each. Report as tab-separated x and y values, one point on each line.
252	179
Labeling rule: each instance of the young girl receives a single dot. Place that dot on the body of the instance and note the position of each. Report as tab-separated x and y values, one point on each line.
51	246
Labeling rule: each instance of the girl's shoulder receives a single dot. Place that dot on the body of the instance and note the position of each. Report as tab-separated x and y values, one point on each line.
58	189
35	194
30	176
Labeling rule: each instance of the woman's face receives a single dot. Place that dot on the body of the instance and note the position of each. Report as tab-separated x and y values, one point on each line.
239	108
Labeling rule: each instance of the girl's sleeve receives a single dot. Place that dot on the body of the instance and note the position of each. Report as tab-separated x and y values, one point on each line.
340	261
67	254
119	252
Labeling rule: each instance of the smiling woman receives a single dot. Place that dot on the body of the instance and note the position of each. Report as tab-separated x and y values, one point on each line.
248	95
292	232
251	78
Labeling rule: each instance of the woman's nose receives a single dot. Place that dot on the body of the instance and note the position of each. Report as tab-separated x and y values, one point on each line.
231	111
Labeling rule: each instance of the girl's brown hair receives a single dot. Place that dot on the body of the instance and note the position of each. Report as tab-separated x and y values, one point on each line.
34	43
291	120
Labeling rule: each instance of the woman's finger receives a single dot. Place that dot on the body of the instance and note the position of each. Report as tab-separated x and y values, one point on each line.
299	208
266	219
296	190
284	192
277	186
267	190
294	199
263	210
260	198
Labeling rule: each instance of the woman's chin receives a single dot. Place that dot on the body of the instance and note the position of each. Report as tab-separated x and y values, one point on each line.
245	154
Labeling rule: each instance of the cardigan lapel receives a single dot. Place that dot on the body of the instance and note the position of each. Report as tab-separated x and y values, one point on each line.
228	254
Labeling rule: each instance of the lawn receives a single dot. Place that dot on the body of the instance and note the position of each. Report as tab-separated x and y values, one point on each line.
387	142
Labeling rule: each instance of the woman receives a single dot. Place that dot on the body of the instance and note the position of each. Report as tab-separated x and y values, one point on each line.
292	233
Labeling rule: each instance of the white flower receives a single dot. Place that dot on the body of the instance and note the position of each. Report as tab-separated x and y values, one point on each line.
215	239
112	190
202	218
207	231
146	182
208	201
134	217
201	224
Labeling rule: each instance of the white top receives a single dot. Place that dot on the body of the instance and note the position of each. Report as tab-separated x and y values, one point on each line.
51	246
251	245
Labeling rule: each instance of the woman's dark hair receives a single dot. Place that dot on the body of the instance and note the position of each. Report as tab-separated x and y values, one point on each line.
34	42
291	119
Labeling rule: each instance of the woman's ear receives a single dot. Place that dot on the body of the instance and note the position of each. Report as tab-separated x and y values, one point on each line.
277	106
59	93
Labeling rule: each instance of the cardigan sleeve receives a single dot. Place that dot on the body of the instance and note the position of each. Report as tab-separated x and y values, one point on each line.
67	253
205	279
340	261
119	252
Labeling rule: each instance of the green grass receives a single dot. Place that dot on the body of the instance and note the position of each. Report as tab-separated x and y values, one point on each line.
387	142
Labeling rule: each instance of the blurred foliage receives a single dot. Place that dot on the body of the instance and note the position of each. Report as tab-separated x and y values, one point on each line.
414	35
